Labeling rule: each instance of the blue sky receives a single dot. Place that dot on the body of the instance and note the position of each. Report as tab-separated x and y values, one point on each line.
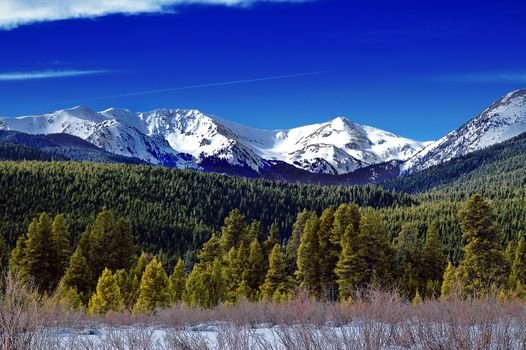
419	69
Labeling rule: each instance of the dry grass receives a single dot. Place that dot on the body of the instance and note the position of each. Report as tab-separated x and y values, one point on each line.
380	321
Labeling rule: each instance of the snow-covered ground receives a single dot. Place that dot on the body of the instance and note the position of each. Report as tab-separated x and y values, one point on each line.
222	336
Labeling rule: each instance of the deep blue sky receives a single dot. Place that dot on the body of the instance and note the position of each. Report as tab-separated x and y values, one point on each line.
419	69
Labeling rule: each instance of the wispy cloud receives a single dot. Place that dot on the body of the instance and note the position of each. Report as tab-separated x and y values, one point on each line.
495	77
47	74
204	85
14	13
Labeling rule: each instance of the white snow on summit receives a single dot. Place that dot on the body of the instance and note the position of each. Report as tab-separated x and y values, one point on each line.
173	136
501	121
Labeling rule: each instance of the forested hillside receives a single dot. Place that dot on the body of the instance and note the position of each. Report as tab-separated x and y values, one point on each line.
498	173
169	209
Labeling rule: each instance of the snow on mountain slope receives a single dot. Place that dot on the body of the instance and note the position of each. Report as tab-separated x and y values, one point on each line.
501	121
183	138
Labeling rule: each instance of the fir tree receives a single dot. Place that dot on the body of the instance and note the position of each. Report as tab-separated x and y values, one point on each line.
233	231
483	265
375	249
450	282
409	261
518	269
434	262
211	250
177	282
40	253
17	260
328	256
295	238
272	239
61	237
352	264
205	285
278	284
108	295
153	292
256	270
78	275
309	258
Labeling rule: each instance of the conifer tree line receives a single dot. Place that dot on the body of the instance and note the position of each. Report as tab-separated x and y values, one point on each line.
334	256
169	209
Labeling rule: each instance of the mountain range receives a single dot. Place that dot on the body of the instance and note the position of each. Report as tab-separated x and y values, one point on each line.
334	151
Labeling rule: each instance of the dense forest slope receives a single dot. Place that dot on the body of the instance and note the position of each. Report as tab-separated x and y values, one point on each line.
497	172
173	210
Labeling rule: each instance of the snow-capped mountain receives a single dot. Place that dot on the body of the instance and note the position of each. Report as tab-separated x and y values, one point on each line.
186	138
501	121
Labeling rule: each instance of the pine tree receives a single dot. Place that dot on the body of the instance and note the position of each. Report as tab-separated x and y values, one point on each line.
125	282
211	250
329	252
294	241
377	250
518	269
61	237
309	258
255	231
153	292
205	285
78	275
40	253
272	239
108	295
256	270
110	244
233	231
352	264
434	262
483	265
17	259
278	285
409	261
69	297
450	282
345	215
177	282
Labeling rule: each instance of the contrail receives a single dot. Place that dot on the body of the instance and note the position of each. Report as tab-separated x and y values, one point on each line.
188	87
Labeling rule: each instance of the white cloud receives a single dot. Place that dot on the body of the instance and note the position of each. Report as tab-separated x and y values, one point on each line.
494	77
10	76
14	13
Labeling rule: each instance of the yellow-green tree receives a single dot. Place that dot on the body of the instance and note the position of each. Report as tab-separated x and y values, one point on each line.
153	292
107	296
177	281
278	285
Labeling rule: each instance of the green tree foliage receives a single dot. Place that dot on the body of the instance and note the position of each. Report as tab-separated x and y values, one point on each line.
352	264
483	265
256	270
328	255
518	268
410	262
375	249
107	296
40	254
295	238
179	218
278	285
450	282
233	231
434	262
205	286
61	237
154	290
309	258
177	282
